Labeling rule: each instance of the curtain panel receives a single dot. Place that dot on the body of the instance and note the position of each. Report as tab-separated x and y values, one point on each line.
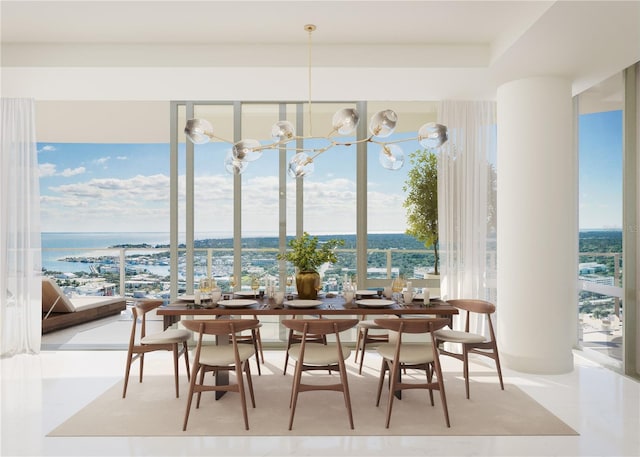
20	253
467	202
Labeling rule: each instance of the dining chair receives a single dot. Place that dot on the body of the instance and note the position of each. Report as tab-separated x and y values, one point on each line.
471	343
174	340
220	358
400	355
254	338
364	337
295	337
312	356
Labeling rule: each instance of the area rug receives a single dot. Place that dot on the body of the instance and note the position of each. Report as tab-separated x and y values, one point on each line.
151	409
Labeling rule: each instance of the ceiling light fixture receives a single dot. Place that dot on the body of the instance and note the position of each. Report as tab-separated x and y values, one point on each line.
382	124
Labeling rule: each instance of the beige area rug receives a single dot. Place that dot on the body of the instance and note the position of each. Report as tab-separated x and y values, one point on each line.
151	409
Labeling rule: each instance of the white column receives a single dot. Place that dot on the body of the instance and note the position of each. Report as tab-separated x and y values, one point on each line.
537	225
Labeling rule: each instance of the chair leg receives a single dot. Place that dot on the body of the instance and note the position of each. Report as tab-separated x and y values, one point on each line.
254	337
175	369
185	350
358	340
443	396
294	393
497	357
286	356
247	370
429	372
465	368
394	374
345	389
141	365
243	399
126	373
259	338
383	371
192	384
365	335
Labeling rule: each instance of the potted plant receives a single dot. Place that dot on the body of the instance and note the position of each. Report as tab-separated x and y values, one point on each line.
307	254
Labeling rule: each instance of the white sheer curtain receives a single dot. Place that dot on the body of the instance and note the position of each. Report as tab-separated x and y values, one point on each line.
466	201
20	253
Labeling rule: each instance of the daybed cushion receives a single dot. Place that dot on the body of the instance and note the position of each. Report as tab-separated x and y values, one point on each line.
67	311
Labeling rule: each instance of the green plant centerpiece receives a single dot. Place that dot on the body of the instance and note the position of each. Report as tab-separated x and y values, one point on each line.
308	254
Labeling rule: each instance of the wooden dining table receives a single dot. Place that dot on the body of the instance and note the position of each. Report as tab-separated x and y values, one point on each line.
329	305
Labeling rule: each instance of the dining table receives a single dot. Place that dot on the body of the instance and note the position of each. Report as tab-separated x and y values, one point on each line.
326	305
329	304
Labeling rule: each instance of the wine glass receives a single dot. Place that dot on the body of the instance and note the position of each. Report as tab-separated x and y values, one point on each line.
255	285
205	287
232	284
396	288
289	282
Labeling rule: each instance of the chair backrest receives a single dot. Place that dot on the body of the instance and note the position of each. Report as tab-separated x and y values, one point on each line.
320	326
220	326
413	325
473	305
140	309
476	306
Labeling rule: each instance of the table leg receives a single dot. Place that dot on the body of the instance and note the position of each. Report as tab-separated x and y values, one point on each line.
222	376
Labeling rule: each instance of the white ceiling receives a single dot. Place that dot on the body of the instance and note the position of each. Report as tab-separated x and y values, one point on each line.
496	41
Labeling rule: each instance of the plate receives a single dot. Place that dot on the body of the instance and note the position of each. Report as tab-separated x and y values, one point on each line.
186	297
236	303
247	293
364	292
375	302
303	303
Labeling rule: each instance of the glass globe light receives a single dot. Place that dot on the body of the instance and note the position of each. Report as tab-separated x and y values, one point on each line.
300	165
383	123
391	156
432	135
233	165
282	131
197	130
247	150
345	120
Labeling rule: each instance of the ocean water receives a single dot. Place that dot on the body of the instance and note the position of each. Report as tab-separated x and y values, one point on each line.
58	245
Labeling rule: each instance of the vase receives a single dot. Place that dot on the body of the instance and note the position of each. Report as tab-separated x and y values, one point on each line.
306	283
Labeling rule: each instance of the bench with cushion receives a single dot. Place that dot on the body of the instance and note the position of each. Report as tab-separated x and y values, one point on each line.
60	311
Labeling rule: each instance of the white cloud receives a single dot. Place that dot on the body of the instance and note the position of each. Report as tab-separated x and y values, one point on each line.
47	169
47	148
72	172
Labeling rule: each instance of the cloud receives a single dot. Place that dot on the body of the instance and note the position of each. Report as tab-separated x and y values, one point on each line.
102	161
122	158
47	169
72	171
47	148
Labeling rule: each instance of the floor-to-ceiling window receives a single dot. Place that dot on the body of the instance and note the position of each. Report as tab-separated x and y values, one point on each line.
605	183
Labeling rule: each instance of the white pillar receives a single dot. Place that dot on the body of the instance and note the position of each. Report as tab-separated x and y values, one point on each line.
537	225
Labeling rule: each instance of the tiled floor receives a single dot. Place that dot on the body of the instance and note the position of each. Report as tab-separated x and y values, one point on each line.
40	391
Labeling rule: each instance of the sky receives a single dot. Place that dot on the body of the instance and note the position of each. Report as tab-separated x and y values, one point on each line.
125	187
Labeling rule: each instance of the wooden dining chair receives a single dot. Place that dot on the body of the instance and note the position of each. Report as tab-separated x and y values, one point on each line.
313	356
174	340
411	355
364	338
471	343
295	337
254	338
221	358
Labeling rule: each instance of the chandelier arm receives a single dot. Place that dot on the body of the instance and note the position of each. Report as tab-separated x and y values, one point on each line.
397	141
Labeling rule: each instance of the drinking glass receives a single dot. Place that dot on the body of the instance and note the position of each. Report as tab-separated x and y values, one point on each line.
232	284
396	287
255	285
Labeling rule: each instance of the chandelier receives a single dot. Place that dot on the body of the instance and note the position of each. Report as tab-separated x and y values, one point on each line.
344	122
